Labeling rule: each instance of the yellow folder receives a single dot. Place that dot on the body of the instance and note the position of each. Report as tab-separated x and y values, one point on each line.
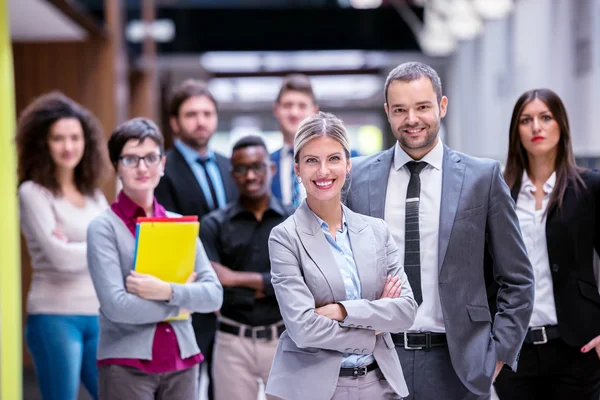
166	248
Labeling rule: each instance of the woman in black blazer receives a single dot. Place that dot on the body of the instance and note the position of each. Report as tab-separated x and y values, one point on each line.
558	205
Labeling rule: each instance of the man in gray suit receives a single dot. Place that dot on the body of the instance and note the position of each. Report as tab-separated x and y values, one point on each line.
447	212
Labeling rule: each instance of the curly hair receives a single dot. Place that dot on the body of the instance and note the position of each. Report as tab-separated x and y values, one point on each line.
34	160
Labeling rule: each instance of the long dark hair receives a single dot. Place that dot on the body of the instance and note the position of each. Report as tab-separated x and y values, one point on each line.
34	159
518	161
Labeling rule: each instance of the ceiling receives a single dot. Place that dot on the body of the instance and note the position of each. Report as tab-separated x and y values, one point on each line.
25	17
273	25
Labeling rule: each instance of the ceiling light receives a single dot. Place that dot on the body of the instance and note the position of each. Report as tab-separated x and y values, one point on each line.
493	9
463	21
366	3
434	39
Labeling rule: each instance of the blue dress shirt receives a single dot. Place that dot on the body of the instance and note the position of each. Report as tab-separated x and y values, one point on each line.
342	252
191	156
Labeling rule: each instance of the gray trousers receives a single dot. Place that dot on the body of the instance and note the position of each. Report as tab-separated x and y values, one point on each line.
429	375
119	382
369	387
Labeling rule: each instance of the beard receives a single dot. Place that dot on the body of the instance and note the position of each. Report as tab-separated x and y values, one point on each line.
409	142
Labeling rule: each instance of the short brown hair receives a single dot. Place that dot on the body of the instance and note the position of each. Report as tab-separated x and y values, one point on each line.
185	90
34	160
138	129
296	83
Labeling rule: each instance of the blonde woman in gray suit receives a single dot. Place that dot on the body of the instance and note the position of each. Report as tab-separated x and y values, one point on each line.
339	283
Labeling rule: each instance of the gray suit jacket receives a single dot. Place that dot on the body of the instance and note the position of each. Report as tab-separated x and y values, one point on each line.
477	216
305	276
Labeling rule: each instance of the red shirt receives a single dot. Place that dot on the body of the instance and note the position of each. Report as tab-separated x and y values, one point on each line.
166	356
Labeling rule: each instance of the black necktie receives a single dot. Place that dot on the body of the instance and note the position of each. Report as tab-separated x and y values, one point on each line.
412	239
213	192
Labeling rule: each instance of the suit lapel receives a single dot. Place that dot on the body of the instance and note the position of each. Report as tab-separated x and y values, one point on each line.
228	185
189	181
378	182
363	246
276	182
316	245
453	173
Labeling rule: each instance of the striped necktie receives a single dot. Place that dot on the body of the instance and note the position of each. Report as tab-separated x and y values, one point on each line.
412	239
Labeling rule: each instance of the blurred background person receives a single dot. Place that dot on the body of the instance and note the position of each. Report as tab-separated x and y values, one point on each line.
62	158
558	206
339	282
295	102
196	179
139	355
236	241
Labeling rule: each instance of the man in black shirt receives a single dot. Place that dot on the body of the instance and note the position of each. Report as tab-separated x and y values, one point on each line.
235	239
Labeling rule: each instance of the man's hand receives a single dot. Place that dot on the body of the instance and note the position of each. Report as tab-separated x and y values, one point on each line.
336	312
148	287
226	276
593	344
499	365
392	288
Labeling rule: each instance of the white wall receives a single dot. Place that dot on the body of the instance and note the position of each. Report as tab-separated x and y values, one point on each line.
544	43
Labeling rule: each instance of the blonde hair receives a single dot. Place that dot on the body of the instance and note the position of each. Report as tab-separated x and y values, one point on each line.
319	125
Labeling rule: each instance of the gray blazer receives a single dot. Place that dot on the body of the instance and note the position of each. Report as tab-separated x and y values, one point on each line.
305	276
128	322
477	216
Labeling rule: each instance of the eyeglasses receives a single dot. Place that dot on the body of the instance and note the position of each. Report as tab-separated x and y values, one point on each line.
242	170
133	161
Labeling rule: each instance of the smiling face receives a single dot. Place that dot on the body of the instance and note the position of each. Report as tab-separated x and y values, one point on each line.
538	129
415	115
144	177
252	171
323	166
66	143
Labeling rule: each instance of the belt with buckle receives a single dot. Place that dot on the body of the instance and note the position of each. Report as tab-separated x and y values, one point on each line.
541	334
253	332
419	340
357	372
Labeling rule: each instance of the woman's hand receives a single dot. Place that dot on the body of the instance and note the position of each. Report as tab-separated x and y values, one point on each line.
336	312
148	287
392	288
60	234
593	344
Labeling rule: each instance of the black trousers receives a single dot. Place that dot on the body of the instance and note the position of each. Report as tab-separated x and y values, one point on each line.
429	375
552	371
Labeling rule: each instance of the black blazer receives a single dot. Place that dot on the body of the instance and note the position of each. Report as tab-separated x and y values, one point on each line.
572	234
179	191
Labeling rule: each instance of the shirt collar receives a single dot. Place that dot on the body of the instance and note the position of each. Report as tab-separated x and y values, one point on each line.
286	149
528	186
325	226
190	155
129	211
435	157
274	205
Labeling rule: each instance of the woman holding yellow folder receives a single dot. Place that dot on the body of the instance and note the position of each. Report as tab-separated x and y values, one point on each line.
139	354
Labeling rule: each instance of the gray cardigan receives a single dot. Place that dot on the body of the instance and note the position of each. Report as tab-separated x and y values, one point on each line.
128	322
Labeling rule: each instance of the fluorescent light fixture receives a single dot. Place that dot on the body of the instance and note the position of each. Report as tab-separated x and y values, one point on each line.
362	4
493	9
161	30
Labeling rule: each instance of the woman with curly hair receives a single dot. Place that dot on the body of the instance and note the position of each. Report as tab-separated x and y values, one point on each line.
61	160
